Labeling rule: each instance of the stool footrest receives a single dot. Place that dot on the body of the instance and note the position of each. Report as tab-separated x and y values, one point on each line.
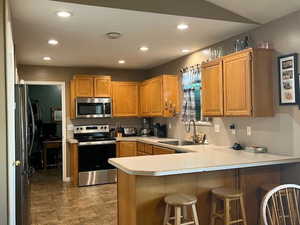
219	215
236	221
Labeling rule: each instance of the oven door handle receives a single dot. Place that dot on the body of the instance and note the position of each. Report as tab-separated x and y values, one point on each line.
96	143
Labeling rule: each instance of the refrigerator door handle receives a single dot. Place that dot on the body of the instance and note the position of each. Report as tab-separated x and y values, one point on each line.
33	126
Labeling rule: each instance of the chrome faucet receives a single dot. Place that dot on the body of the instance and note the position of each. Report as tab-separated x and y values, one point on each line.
194	131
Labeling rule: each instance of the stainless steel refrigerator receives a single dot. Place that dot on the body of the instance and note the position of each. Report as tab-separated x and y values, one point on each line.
25	132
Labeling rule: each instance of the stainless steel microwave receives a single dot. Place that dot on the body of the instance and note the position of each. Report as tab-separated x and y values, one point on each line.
93	107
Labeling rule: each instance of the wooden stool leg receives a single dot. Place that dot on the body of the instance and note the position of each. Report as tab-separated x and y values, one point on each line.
184	212
243	211
227	211
213	210
177	215
167	214
195	215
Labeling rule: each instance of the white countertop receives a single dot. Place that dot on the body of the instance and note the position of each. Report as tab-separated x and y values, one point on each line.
200	158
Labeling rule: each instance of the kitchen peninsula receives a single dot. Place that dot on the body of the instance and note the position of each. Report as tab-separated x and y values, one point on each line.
144	181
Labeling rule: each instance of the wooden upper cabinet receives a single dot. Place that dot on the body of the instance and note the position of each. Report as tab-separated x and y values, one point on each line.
145	99
84	85
125	99
247	88
102	86
159	96
156	98
212	91
237	85
170	95
72	100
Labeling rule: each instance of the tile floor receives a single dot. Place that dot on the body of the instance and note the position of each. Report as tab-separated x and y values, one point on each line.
56	203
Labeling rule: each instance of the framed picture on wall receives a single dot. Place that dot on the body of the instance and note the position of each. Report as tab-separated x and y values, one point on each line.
288	79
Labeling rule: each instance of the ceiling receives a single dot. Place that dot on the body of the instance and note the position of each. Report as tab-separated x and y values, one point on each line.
83	41
261	11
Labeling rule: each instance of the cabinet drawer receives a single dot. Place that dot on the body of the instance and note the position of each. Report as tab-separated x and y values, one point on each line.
148	149
162	151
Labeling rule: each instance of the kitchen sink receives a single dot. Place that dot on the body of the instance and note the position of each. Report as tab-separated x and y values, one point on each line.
178	143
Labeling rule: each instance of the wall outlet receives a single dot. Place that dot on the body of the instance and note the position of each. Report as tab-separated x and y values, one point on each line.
249	131
217	128
70	127
170	126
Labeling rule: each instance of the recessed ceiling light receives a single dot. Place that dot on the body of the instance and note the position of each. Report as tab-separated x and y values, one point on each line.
64	14
121	61
182	26
185	50
52	42
47	58
144	48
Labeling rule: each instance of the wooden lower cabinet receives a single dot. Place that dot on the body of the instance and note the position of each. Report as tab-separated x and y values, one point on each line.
126	149
141	198
73	149
129	149
162	151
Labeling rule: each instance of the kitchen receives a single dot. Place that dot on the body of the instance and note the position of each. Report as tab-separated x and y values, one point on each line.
137	88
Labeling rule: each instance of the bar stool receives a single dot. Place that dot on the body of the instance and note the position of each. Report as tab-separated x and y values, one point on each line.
227	195
180	202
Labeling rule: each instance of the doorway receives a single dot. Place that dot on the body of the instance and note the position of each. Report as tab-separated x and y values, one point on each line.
49	152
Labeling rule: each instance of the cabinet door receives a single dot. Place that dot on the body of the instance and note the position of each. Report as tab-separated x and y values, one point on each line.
125	99
156	101
84	86
170	95
212	89
126	149
145	99
237	84
140	147
102	86
162	151
148	149
72	100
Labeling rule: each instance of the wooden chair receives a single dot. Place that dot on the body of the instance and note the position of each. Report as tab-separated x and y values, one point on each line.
280	206
227	196
180	202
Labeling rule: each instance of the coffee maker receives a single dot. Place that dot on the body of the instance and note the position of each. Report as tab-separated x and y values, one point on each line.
146	129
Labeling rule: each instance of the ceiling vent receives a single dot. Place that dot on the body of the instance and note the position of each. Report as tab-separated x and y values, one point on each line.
113	35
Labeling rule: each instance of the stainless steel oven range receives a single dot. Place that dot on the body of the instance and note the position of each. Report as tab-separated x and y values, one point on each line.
95	147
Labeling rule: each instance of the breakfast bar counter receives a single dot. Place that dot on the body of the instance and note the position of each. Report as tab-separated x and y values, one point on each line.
144	181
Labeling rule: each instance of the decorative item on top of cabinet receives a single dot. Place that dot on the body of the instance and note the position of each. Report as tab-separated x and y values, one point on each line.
247	88
160	96
125	99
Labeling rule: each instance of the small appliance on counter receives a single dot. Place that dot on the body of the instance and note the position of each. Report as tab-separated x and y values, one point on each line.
256	149
146	127
129	131
160	130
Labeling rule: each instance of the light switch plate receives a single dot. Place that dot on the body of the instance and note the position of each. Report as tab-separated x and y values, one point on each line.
217	128
249	131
